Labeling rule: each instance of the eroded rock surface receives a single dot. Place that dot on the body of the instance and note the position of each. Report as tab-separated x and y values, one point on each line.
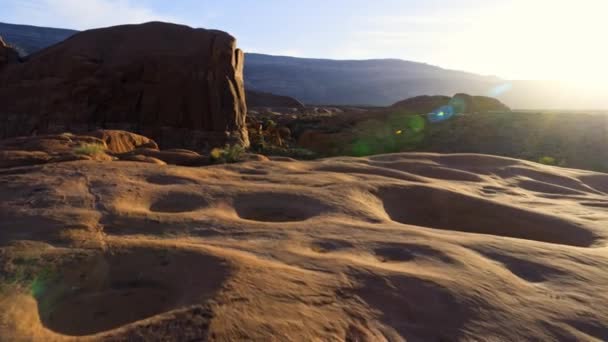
397	247
100	145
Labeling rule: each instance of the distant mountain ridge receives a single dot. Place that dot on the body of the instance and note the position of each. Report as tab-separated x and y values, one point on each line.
378	82
29	39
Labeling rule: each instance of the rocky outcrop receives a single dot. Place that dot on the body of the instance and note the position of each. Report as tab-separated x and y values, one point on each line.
465	103
101	145
27	151
123	142
488	104
8	55
182	87
422	104
54	144
260	99
461	103
112	141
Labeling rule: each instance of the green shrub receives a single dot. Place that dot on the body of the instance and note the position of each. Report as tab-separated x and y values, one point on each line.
228	154
269	123
547	160
90	149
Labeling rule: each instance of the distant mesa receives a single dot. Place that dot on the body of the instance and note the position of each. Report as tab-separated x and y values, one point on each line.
478	104
257	99
182	87
460	103
422	104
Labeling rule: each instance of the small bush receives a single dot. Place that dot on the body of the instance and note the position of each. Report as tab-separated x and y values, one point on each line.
547	160
228	154
90	149
269	123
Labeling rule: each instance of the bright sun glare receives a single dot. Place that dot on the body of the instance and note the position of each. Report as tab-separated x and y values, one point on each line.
539	39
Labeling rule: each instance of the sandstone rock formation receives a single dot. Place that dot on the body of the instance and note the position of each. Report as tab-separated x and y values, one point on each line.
123	142
100	145
399	247
183	87
26	151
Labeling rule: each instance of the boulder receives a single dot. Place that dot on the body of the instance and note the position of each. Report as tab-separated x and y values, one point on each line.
122	141
181	86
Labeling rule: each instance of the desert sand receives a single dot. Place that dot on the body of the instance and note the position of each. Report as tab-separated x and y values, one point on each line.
415	247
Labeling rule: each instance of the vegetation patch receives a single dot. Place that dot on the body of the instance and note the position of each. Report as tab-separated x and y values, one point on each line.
228	154
565	139
90	149
547	160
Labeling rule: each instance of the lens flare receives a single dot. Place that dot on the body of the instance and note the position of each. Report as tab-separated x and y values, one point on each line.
500	89
361	148
441	114
415	123
401	131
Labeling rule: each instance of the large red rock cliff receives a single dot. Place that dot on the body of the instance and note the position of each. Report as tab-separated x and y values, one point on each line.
181	86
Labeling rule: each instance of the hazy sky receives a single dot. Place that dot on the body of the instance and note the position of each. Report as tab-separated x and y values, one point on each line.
516	39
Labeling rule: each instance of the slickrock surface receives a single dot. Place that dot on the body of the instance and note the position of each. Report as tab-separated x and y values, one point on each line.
416	247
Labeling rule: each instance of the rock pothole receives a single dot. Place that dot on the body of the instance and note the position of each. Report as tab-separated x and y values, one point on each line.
278	207
444	209
108	291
